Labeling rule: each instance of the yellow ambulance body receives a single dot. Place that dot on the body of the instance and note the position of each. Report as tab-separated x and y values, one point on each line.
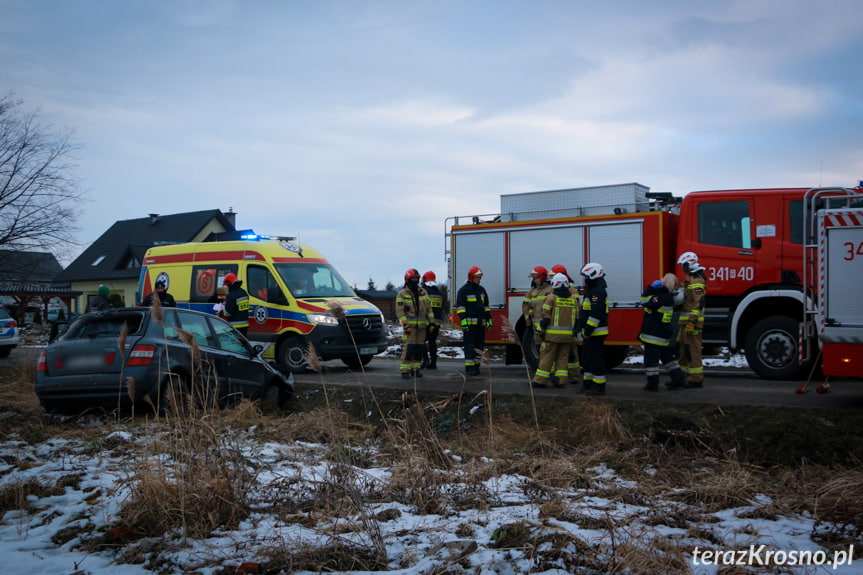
296	297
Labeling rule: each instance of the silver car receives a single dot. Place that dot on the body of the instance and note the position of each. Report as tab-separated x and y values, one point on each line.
9	336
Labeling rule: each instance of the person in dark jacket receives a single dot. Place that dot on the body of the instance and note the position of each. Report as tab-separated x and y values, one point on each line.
475	317
657	333
429	283
166	299
236	304
593	326
99	302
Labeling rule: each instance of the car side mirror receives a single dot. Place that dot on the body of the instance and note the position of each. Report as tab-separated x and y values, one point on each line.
257	349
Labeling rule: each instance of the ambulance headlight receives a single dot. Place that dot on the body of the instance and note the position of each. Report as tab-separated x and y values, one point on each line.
323	319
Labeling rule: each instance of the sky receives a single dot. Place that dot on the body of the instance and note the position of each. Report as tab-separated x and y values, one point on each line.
361	126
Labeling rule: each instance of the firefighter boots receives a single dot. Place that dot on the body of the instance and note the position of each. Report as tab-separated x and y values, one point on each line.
652	383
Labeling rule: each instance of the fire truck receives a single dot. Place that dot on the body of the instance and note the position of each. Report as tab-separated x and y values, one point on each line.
784	266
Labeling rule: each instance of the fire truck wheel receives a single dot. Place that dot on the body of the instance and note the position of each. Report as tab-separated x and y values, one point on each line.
771	348
292	354
615	355
530	347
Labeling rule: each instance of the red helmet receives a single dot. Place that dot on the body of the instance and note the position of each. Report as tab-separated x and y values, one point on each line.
559	269
429	277
229	279
473	272
411	274
540	272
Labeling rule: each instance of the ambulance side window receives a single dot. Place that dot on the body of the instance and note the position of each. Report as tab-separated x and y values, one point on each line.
262	285
207	279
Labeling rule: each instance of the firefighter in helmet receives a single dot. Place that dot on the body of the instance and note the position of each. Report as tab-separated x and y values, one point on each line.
531	307
657	333
429	283
691	320
236	309
413	309
593	325
557	328
474	316
573	362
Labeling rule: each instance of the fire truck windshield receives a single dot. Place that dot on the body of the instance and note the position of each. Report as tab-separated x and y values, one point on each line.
305	280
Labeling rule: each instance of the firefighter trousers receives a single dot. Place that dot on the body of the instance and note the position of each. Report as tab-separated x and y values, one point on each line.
690	355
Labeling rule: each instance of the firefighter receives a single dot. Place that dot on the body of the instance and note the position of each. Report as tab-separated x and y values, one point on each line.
236	308
414	311
429	283
556	332
475	318
691	321
657	333
573	362
593	326
531	306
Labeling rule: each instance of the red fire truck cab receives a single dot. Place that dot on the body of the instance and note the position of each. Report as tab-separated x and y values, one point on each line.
761	250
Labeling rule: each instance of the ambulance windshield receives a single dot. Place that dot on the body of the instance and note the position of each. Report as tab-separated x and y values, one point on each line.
307	280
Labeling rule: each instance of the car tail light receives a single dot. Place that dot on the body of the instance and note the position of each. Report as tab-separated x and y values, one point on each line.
43	362
141	355
13	323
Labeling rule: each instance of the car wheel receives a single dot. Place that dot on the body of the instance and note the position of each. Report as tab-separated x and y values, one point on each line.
771	348
292	354
174	396
355	362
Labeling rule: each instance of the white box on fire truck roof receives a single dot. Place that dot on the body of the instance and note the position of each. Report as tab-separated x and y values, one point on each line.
575	202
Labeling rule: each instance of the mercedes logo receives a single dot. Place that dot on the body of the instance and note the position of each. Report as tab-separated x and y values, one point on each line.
367	324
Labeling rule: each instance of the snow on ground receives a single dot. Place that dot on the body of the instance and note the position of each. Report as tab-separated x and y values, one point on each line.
91	479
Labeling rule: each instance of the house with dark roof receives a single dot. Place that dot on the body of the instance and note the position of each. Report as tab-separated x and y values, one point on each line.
114	259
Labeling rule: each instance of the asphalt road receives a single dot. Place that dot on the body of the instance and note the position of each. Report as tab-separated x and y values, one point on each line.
722	386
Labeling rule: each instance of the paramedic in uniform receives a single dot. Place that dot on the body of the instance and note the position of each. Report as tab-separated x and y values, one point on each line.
236	309
559	314
691	321
429	283
475	317
593	325
413	309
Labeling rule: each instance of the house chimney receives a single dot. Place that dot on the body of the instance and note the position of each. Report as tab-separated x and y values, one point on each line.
154	218
231	216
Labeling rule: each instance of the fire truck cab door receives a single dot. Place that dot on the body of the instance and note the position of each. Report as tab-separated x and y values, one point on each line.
725	240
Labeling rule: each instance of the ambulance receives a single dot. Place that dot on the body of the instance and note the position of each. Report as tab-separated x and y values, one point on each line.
297	298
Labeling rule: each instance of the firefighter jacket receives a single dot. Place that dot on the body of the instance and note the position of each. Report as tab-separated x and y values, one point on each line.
695	290
237	306
531	307
414	309
559	316
436	300
656	325
593	318
472	305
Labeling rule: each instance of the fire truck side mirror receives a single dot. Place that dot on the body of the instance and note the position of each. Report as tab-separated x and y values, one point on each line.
756	243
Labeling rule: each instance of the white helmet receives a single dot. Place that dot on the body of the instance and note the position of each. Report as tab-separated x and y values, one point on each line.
592	271
559	280
689	261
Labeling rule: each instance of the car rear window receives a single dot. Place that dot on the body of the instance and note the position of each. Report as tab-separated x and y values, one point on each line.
104	326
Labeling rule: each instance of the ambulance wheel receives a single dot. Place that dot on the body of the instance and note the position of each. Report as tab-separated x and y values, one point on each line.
530	348
292	354
771	348
355	362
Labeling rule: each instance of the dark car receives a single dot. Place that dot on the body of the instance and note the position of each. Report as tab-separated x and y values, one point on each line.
123	356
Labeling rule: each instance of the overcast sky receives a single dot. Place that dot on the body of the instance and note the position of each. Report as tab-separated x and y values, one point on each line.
360	126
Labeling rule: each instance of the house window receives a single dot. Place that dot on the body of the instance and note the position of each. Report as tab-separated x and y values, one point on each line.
97	261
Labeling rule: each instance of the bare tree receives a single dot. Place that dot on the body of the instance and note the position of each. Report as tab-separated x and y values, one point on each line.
39	196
